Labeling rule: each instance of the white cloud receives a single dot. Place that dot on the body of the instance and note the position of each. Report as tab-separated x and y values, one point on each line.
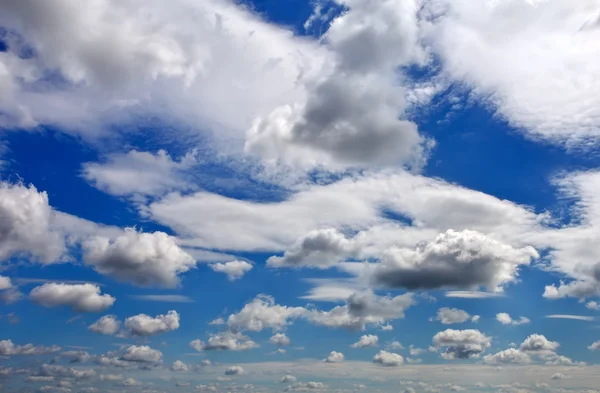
262	313
5	283
367	340
142	354
331	126
224	341
559	376
280	339
334	357
449	316
508	356
80	297
27	225
595	346
472	294
214	57
8	348
389	359
108	324
145	325
234	370
129	382
141	258
111	377
233	269
506	319
547	88
79	356
178	365
139	173
537	343
287	379
461	344
465	259
569	316
592	305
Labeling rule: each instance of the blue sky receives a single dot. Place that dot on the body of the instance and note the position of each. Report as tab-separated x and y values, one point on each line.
325	196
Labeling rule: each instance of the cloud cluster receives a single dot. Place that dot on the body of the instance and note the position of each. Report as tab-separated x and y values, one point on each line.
224	341
142	354
145	325
108	325
8	348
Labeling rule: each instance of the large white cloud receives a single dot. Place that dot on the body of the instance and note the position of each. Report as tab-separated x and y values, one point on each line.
145	325
262	313
461	344
216	65
332	126
141	258
549	52
334	357
80	297
26	225
389	359
142	354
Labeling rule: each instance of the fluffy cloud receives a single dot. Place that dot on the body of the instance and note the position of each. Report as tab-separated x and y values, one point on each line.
506	319
547	89
262	313
26	227
464	260
368	340
80	297
508	356
233	269
145	325
389	359
280	339
334	357
175	74
142	354
461	344
319	248
108	324
595	346
287	379
178	365
5	283
332	126
592	305
142	258
537	343
449	316
139	173
234	370
224	341
8	348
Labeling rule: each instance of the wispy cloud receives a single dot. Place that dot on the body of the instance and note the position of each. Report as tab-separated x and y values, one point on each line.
566	316
164	298
473	294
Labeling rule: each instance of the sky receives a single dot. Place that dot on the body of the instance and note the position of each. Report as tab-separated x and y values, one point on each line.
300	195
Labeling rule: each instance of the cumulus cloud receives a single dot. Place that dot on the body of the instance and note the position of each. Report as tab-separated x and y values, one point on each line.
332	126
108	324
233	269
141	258
145	325
287	379
262	313
139	173
592	305
537	343
27	227
461	344
142	354
8	348
389	359
367	340
234	370
455	259
280	339
178	365
595	346
80	297
225	341
449	316
334	357
506	319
